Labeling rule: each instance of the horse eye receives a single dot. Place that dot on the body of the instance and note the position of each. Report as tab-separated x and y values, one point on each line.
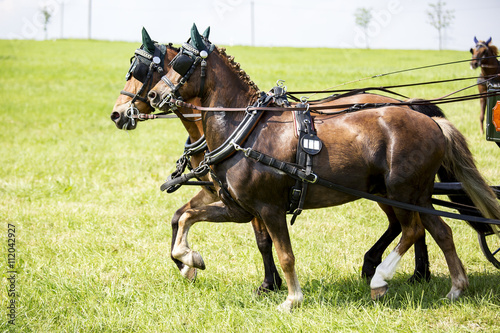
471	50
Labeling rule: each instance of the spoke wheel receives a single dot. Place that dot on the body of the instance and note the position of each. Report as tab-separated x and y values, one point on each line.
490	245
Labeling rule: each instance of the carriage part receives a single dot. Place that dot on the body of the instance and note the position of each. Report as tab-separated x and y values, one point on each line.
493	112
489	242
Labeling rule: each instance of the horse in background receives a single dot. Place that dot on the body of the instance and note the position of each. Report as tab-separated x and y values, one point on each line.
484	56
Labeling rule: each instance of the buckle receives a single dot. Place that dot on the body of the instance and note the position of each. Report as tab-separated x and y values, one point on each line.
312	181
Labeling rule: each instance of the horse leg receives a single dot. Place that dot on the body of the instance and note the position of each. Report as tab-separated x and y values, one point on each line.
482	102
272	280
412	229
373	257
422	271
276	225
442	234
214	212
201	198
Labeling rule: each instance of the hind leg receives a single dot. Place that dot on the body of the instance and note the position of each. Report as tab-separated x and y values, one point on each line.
373	257
412	230
442	234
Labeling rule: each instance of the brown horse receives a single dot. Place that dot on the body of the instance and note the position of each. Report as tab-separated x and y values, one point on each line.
373	257
484	56
391	151
121	116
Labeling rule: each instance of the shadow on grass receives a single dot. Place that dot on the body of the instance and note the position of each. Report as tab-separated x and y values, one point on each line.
350	291
483	290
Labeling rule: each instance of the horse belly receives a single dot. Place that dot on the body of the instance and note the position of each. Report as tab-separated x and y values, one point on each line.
367	150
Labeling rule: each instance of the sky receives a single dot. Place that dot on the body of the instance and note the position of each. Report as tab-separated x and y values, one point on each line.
396	24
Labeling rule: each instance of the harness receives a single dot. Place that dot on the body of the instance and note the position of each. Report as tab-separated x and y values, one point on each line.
190	149
309	145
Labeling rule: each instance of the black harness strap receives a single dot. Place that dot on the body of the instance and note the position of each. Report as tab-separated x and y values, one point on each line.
190	149
222	152
305	150
297	172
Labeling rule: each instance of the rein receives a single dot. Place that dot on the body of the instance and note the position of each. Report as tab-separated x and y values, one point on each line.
397	72
347	107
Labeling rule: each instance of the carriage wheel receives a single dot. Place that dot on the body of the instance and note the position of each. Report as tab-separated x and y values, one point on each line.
490	245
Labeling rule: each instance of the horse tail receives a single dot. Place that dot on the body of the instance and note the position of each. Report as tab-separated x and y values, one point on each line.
458	160
429	109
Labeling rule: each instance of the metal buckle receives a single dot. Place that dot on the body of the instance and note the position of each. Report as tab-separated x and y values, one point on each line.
311	181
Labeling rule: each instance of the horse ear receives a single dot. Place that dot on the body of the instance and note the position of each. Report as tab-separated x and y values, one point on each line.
488	41
206	33
475	40
196	38
149	45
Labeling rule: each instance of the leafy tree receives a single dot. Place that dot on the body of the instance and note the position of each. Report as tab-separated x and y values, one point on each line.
363	16
47	15
440	18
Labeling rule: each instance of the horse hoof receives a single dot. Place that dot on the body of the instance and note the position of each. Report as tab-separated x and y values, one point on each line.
197	260
285	307
453	295
189	273
378	293
419	277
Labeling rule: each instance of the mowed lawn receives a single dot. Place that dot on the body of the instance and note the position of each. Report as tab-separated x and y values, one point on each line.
92	228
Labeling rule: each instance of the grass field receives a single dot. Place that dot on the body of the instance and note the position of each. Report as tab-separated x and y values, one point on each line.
92	229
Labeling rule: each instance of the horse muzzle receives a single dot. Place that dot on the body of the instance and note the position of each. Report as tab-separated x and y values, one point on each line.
123	117
163	102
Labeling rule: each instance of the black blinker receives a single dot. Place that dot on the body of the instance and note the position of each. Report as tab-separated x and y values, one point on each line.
182	63
140	71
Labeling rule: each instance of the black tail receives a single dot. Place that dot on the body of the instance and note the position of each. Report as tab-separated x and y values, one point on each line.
428	109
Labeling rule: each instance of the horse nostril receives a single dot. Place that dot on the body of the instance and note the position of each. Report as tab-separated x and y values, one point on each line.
115	116
152	95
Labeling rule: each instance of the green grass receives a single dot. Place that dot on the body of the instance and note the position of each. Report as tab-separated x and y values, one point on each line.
93	229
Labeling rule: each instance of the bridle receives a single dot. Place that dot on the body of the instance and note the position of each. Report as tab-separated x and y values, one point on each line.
486	55
142	67
185	63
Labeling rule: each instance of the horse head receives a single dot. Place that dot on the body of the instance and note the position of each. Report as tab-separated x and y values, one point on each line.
197	70
147	65
481	52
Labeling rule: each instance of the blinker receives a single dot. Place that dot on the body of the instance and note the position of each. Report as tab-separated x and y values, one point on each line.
182	63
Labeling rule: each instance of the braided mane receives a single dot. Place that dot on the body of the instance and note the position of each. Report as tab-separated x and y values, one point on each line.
172	47
236	66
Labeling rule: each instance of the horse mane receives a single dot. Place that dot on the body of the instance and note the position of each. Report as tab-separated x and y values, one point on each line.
237	68
172	47
494	49
491	47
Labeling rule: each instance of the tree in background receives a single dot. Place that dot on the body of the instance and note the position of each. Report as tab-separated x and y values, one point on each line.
440	18
363	17
47	15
